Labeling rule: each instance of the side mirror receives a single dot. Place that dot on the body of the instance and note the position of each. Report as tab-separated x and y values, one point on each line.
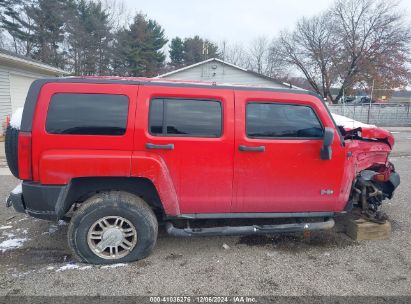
326	150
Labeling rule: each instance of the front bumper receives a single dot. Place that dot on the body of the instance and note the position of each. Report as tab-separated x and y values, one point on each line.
395	179
40	201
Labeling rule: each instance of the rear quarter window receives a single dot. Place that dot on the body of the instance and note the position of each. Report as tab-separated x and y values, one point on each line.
87	114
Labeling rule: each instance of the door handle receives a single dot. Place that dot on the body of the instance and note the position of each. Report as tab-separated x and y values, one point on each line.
251	149
160	147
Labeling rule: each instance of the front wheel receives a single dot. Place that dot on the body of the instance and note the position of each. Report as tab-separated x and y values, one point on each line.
112	227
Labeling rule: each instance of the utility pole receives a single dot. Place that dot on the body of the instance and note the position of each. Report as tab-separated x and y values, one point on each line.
204	67
343	100
369	106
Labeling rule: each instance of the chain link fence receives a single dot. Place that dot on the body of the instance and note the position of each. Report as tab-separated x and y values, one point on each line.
385	115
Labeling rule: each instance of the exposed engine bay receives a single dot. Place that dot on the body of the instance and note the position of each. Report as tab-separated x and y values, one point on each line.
371	187
376	183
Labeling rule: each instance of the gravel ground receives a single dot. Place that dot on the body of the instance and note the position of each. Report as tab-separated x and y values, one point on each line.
327	263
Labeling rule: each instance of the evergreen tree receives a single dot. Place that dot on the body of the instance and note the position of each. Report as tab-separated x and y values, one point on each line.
89	38
79	36
142	44
197	49
48	30
121	49
14	20
176	52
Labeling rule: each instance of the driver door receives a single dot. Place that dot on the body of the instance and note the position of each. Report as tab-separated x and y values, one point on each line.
277	155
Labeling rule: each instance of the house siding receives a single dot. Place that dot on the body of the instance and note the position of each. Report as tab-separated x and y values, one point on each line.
219	72
19	87
14	85
5	100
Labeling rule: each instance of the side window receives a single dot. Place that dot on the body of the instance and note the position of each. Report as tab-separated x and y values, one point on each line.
272	120
185	117
87	114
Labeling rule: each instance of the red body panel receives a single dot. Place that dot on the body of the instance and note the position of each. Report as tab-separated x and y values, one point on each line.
289	176
153	167
365	154
201	169
207	175
59	158
60	166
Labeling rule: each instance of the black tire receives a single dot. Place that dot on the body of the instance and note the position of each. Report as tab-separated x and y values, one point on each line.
113	203
11	149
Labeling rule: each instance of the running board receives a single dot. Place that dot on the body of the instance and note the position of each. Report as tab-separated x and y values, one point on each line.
248	230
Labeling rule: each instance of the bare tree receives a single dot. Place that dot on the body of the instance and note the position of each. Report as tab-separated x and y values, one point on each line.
355	40
234	53
258	53
374	41
119	15
257	57
310	49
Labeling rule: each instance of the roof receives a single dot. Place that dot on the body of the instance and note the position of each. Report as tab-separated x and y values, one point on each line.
228	64
38	84
10	58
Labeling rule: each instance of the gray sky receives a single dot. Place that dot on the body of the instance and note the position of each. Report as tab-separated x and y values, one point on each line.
232	20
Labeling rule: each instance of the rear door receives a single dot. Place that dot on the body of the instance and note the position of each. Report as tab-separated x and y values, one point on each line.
192	130
277	155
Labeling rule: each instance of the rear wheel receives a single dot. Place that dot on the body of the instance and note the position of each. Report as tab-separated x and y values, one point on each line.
112	227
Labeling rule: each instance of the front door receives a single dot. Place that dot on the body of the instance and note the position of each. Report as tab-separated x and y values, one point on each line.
192	130
277	155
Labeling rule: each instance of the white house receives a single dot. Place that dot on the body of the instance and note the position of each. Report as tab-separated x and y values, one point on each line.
217	70
16	75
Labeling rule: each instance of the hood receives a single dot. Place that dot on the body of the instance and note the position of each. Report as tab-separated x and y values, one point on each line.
378	133
360	131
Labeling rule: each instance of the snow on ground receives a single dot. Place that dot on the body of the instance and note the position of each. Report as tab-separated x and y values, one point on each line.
12	244
347	122
18	189
15	120
113	266
70	266
73	266
52	229
5	227
8	234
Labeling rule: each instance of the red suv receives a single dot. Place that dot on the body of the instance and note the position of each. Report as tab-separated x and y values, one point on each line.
117	156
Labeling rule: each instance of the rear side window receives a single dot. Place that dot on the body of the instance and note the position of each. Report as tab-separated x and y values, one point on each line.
185	117
271	120
87	114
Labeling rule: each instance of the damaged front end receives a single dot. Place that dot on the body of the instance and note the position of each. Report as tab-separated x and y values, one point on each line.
371	187
375	177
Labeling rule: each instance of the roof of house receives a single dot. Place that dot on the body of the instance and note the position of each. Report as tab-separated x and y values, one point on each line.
231	65
13	59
